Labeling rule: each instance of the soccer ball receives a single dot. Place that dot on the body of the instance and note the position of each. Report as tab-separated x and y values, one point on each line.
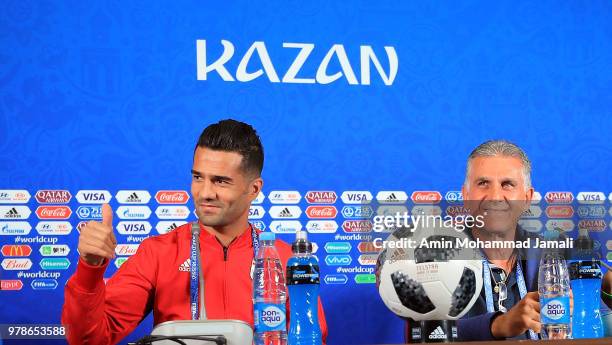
424	283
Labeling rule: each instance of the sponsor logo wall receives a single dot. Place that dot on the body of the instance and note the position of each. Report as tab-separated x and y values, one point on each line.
39	252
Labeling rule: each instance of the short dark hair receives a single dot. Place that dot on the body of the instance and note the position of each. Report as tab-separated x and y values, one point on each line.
235	136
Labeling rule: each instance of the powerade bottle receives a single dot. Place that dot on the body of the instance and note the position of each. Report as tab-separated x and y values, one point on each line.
269	294
554	289
585	275
303	284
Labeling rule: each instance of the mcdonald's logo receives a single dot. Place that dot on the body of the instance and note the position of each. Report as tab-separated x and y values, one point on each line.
16	250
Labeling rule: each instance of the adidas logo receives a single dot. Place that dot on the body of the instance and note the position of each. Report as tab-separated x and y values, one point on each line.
172	227
391	197
185	266
133	198
12	213
285	213
437	333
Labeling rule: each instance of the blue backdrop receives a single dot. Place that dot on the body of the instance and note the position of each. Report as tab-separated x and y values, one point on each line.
105	95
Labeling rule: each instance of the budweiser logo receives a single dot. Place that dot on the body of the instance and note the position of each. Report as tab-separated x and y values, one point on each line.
426	197
53	212
171	197
321	197
126	249
559	211
321	212
53	196
16	264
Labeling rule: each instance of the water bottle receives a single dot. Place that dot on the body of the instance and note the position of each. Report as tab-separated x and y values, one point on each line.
269	294
585	275
303	285
554	290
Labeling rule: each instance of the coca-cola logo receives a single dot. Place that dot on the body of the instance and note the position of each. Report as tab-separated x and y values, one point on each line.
53	212
321	212
46	196
426	197
172	197
321	197
565	211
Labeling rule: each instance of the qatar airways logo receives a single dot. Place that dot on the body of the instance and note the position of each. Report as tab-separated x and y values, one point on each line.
299	54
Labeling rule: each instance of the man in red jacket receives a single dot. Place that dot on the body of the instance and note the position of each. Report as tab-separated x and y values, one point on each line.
226	178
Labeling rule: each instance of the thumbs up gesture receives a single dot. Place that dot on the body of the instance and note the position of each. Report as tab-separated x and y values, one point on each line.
97	240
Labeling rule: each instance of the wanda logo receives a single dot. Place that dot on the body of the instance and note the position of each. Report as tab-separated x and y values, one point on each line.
321	212
171	197
53	212
426	197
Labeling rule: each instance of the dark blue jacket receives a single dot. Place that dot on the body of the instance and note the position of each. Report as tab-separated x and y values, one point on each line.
476	324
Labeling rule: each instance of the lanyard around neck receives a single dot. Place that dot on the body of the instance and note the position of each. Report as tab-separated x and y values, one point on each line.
197	277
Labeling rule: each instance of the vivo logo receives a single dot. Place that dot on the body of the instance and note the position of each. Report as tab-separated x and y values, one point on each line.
300	52
338	260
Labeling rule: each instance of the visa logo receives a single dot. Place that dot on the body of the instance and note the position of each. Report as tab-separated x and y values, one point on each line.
338	260
94	197
591	197
256	212
125	228
356	197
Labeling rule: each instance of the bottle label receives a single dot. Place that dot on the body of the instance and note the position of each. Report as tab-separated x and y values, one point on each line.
585	270
302	274
555	310
270	317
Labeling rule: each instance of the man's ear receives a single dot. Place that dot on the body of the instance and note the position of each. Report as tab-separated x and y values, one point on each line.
255	188
528	197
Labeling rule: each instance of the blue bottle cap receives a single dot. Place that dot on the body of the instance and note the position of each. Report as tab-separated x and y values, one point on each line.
267	236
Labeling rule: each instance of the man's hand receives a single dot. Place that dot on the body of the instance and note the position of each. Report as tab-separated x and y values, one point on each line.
97	240
521	317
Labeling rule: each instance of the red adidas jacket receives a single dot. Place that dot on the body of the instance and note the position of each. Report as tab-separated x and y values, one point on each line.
155	278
